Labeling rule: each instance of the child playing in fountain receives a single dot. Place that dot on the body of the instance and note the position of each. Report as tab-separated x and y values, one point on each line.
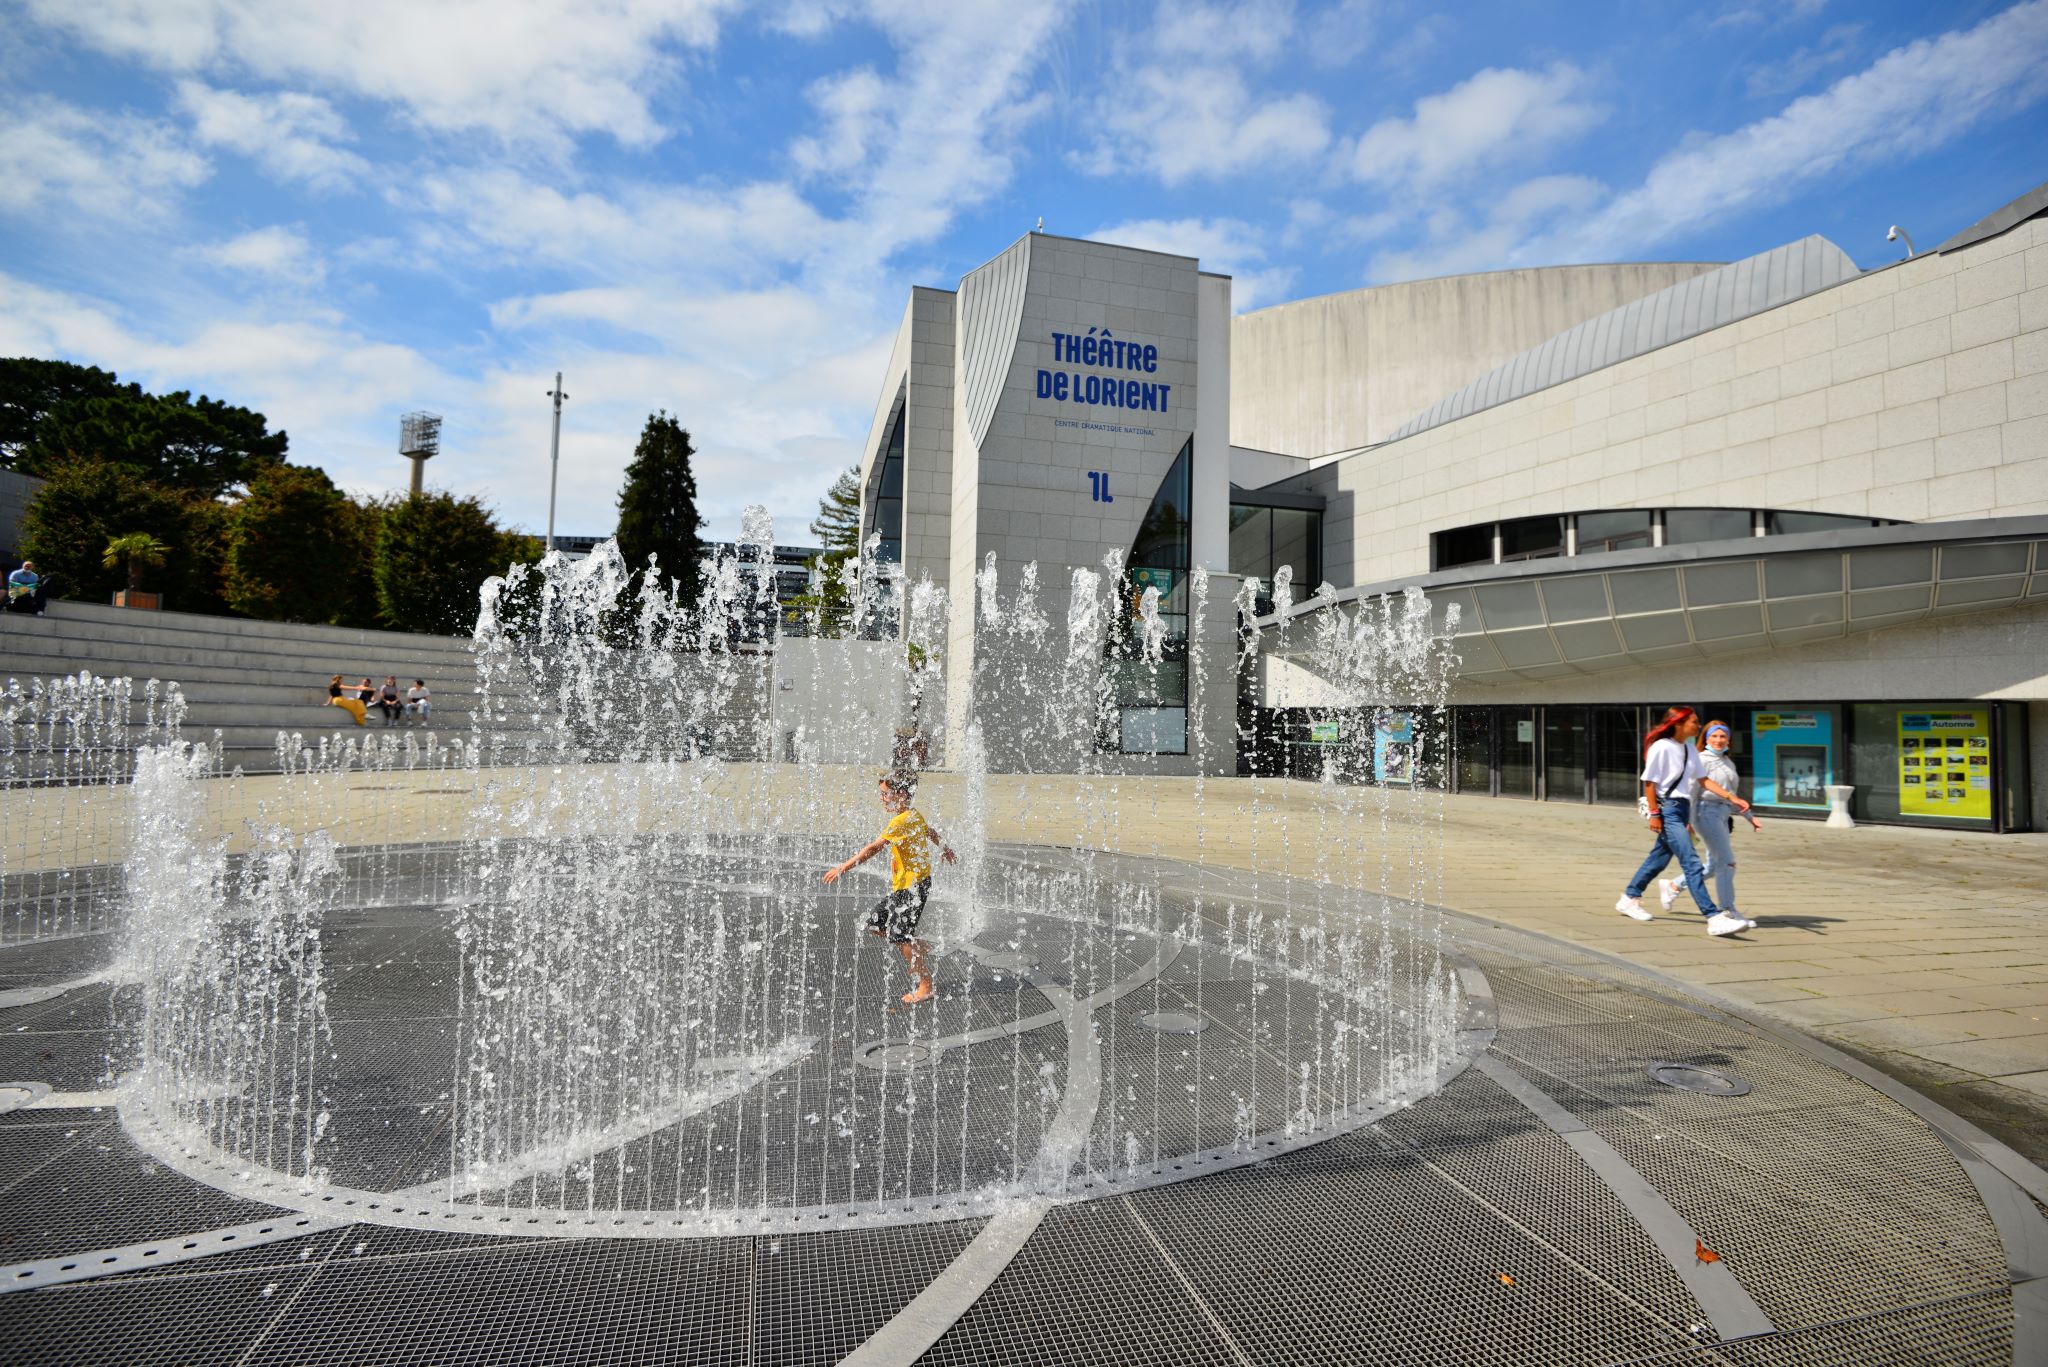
895	917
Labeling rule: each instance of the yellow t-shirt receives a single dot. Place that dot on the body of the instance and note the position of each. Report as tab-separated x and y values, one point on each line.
910	856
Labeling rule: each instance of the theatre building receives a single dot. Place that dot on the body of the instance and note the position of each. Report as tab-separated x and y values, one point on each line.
1809	499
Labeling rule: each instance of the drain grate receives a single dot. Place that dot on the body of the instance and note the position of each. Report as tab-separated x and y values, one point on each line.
1692	1077
1174	1022
15	1096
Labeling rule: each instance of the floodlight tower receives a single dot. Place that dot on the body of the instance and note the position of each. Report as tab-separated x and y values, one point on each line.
419	439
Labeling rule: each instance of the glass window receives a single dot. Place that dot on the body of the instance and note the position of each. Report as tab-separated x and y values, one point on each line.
1465	546
1251	542
1685	525
1788	524
1531	538
1622	531
885	505
1923	763
1295	534
1149	694
1163	535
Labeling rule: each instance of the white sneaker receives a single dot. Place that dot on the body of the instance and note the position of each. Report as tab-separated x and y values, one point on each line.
1721	923
1667	893
1748	922
1632	907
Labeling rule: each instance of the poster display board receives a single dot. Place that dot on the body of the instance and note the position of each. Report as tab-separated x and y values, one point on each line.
1794	762
1396	749
1945	763
1325	732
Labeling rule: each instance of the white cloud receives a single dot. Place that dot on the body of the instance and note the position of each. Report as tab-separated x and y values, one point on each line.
1907	103
336	391
290	135
58	158
855	107
1184	123
275	253
1494	117
1339	34
1256	31
1836	46
1228	246
537	69
1455	247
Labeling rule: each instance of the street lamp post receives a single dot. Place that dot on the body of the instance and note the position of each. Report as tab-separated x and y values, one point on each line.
554	455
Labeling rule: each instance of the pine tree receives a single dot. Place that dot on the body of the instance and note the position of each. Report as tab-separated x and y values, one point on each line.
837	527
658	505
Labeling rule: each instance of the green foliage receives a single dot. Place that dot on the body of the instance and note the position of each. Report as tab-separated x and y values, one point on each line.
137	551
30	388
433	554
837	527
658	505
201	446
296	551
84	505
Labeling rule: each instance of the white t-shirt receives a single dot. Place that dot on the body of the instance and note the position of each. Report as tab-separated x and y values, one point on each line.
1674	767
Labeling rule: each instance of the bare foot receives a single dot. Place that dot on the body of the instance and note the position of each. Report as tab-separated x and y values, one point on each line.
921	992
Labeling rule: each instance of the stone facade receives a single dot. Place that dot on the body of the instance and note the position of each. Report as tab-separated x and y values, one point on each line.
1917	392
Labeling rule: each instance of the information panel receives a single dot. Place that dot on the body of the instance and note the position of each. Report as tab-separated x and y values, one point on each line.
1395	749
1945	764
1795	758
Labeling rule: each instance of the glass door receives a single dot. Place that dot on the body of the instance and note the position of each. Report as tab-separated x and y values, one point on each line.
1564	754
1617	754
1517	752
1473	746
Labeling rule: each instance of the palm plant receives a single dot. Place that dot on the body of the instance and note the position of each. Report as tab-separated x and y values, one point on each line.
140	550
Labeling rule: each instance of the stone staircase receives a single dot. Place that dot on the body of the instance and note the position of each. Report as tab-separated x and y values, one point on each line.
244	681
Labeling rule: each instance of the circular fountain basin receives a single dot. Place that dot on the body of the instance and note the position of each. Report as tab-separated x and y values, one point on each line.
724	1050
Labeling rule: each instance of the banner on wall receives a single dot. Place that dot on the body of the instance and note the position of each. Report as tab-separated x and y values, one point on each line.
1395	748
1795	758
1945	764
1325	732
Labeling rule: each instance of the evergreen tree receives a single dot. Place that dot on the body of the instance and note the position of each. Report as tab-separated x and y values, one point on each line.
433	554
202	446
295	549
837	527
30	388
658	505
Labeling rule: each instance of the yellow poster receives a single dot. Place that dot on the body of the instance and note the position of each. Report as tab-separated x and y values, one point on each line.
1945	763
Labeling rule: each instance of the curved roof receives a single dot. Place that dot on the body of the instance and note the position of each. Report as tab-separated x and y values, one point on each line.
1701	304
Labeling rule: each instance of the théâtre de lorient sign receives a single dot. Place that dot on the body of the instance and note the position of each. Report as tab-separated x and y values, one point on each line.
1099	349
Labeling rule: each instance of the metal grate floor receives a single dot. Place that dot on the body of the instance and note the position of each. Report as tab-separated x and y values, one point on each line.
1464	1228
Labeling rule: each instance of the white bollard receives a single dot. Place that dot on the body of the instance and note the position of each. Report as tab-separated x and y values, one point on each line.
1838	805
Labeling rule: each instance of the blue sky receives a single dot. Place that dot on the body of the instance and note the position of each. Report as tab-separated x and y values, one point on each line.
338	213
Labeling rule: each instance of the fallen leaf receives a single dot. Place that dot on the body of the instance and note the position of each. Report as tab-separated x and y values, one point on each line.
1701	1253
1506	1280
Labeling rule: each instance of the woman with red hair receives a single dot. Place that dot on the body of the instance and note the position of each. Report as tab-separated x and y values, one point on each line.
1671	769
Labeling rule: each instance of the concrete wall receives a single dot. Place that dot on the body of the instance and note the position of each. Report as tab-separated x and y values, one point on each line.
844	699
16	493
1345	370
1917	392
920	378
1024	493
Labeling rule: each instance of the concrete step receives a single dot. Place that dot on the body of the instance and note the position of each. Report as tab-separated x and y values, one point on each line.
217	627
277	684
24	631
52	657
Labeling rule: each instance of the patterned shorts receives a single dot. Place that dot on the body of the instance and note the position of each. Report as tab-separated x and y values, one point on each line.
897	915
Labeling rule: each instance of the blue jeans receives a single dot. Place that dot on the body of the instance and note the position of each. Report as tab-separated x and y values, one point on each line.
1674	843
1720	862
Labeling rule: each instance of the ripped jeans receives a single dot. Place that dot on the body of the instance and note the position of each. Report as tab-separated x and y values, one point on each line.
1673	842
